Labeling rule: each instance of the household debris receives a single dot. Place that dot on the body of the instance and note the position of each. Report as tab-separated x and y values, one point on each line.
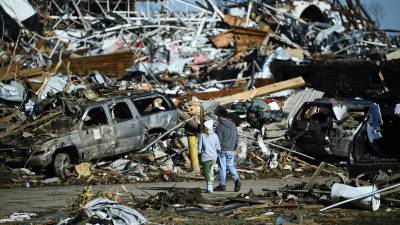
111	92
101	210
18	217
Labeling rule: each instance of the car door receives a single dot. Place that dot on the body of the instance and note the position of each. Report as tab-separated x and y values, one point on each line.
128	129
96	133
160	115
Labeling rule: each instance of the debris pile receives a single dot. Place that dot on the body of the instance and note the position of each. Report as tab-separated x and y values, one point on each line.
177	197
111	92
67	46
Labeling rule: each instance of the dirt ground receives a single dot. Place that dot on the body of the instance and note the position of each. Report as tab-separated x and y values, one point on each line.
44	199
50	203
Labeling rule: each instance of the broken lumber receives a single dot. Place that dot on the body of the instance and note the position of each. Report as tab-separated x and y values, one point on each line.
382	79
243	38
114	64
246	95
34	123
246	171
308	164
298	191
310	184
388	179
269	206
15	72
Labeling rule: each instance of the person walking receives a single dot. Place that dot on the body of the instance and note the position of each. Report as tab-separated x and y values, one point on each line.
209	145
227	133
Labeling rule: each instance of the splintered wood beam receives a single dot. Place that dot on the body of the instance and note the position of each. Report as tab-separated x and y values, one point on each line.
265	90
310	184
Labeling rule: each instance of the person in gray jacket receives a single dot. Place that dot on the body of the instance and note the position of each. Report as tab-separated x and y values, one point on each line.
227	133
208	144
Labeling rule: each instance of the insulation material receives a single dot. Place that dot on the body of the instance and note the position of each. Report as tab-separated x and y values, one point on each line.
19	10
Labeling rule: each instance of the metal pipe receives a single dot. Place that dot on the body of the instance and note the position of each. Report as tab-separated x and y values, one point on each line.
164	134
278	146
141	62
359	197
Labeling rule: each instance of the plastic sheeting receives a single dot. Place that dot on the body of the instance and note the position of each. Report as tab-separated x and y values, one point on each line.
12	92
155	68
280	54
339	191
397	110
263	147
178	64
374	121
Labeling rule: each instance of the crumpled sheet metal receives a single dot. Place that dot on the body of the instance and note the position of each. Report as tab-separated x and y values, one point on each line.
294	102
110	210
337	27
119	214
54	84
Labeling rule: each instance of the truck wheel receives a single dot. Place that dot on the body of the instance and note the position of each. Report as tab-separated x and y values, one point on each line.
62	163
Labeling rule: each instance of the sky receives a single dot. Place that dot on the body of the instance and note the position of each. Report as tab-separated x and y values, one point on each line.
391	8
390	19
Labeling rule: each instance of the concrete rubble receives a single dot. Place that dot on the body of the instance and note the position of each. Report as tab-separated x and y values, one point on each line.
112	93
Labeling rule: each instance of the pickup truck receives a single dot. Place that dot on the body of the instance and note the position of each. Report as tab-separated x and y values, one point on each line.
107	127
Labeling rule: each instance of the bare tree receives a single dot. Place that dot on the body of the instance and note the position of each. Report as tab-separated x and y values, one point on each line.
376	11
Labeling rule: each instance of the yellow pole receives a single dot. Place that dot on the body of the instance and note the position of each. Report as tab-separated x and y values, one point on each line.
194	158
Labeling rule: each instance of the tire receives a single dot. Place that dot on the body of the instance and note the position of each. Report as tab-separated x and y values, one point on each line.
62	164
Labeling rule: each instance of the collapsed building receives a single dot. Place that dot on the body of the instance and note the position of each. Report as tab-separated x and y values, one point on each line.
199	53
115	91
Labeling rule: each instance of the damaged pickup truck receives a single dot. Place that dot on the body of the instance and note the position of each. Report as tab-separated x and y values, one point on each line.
107	127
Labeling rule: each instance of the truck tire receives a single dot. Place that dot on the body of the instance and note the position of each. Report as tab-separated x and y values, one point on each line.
62	163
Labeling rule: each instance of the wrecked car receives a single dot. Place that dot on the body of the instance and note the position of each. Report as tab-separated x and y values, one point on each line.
368	154
325	128
106	127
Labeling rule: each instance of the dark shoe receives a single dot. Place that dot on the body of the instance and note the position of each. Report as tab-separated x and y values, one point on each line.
220	188
237	186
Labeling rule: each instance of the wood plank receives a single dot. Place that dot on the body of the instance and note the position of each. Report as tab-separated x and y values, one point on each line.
265	90
310	183
241	37
212	94
114	64
20	74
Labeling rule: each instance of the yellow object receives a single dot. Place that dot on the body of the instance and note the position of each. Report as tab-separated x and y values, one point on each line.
194	156
83	169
